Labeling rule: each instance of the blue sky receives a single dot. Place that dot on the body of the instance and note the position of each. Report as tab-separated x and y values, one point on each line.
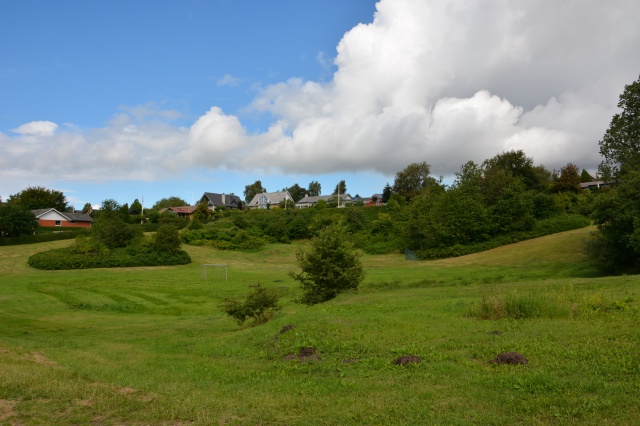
153	99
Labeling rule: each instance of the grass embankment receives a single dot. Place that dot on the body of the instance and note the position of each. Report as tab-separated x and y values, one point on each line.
150	346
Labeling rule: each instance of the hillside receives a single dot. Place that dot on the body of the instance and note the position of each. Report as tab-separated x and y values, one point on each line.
150	346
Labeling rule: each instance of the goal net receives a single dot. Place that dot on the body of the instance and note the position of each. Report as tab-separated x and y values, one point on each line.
217	271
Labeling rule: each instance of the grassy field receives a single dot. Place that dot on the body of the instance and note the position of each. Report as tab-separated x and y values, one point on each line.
150	346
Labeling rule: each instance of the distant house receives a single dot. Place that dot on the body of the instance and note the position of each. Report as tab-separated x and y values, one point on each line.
52	217
183	211
214	200
593	185
266	199
374	200
310	201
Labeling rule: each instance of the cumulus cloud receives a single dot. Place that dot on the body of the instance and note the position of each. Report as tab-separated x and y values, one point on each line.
443	81
37	128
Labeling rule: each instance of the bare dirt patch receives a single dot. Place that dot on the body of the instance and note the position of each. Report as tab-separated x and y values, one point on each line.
407	359
304	355
39	358
510	358
6	409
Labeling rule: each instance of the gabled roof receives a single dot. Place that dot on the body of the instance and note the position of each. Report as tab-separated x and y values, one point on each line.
230	201
182	209
78	217
273	197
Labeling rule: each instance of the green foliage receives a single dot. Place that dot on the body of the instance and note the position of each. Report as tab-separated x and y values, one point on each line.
38	197
413	181
225	235
43	237
386	193
259	305
620	145
16	220
173	201
568	180
75	258
521	306
329	267
518	165
586	177
615	247
296	192
113	232
167	239
136	207
314	189
341	188
252	190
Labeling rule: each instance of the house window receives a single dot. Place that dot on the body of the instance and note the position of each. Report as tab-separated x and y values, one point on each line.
58	223
73	221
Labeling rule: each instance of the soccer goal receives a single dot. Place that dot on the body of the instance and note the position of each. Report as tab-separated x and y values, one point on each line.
214	270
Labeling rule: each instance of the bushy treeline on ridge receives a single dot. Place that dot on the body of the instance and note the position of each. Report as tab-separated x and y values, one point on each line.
507	199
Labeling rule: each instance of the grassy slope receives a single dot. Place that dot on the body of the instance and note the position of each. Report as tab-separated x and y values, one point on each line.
149	346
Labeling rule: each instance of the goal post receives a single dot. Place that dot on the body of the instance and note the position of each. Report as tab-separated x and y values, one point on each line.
204	266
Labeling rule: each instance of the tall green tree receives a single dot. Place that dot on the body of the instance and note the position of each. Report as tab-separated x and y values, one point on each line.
87	208
16	220
413	180
39	197
136	207
296	192
172	201
517	164
616	245
341	187
252	190
568	180
586	177
620	145
314	188
387	191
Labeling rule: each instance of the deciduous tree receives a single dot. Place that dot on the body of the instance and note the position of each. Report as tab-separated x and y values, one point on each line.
314	189
38	197
413	181
252	190
16	220
620	145
172	201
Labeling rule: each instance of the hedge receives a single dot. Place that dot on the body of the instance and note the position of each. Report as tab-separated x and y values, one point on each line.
123	257
43	238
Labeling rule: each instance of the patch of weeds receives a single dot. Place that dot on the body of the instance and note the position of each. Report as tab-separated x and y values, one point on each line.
259	306
520	306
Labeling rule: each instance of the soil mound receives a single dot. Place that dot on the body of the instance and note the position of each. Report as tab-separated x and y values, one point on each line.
512	358
305	354
407	359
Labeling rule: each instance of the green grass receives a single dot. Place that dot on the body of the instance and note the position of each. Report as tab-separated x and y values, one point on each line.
150	345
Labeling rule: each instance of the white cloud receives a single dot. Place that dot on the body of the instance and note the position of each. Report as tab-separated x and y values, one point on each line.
443	81
228	80
37	128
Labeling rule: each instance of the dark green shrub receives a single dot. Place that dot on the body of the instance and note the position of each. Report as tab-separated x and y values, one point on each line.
258	305
330	267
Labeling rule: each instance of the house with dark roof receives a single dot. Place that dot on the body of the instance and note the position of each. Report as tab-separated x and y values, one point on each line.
310	201
266	199
228	201
52	217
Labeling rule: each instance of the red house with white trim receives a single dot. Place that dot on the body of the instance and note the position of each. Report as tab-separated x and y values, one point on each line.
52	217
